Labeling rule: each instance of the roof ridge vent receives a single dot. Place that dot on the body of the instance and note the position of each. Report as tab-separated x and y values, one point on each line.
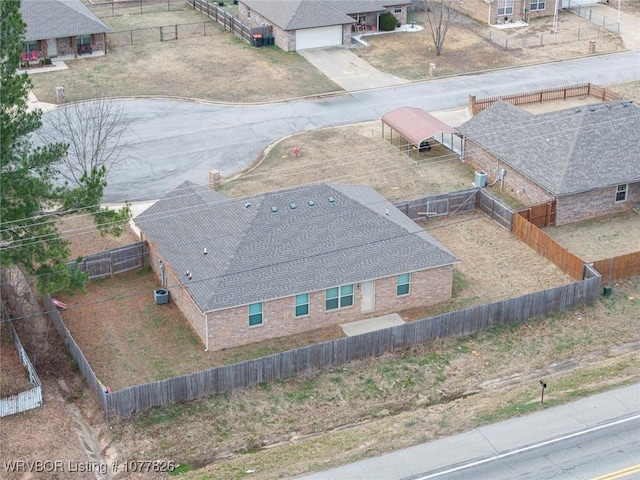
311	203
293	206
274	209
332	199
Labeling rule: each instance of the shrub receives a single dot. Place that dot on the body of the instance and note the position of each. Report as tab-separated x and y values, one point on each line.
388	22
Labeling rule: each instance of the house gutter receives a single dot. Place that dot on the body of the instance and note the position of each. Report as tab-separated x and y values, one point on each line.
206	332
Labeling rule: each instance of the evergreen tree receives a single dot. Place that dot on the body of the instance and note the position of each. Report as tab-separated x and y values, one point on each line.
28	189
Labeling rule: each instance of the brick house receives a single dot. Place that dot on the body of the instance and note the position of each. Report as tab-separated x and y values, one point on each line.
301	24
62	27
510	11
585	158
289	261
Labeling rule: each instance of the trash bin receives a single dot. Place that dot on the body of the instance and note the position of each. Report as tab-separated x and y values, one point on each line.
268	40
257	40
607	291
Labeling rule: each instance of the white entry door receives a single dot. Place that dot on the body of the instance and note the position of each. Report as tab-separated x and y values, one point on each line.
367	296
52	47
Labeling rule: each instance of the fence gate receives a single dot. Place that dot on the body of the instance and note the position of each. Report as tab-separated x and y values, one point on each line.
436	208
169	33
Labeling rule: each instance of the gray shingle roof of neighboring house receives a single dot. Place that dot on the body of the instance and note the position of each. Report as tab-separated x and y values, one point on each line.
58	19
298	14
257	254
568	151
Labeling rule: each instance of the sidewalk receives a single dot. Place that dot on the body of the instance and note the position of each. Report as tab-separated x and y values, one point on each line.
487	441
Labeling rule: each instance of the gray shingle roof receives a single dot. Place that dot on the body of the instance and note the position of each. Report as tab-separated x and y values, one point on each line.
255	254
58	19
567	151
297	14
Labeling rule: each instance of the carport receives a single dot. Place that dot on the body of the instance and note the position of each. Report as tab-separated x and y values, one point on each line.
417	126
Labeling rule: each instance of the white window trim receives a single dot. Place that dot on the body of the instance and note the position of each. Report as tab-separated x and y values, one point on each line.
408	284
625	190
295	306
261	315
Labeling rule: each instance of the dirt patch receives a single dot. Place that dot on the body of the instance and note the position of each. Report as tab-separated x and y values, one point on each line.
600	238
13	376
84	238
495	264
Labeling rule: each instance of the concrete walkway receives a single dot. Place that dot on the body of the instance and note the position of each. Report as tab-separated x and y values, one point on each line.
490	440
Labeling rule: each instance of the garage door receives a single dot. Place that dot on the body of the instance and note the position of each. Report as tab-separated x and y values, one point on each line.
319	37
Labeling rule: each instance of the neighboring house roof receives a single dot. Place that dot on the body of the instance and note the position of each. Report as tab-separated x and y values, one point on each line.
256	254
568	151
58	19
298	14
415	124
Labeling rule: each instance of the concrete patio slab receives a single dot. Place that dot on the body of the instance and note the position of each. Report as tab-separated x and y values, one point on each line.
371	324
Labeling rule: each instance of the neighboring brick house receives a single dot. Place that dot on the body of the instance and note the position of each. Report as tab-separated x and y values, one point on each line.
62	27
510	11
585	158
290	261
301	24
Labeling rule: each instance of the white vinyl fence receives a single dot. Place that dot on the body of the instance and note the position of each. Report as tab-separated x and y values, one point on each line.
28	399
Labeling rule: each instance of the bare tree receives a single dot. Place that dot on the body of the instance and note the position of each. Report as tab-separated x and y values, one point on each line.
95	133
441	15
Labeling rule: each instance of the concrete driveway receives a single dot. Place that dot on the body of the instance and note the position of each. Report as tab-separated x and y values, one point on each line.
348	70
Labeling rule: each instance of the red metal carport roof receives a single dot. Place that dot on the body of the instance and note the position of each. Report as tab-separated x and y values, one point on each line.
415	124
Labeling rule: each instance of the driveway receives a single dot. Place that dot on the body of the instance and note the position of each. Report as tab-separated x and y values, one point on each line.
348	70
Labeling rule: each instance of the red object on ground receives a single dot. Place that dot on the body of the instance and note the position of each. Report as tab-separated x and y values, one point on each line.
59	305
296	152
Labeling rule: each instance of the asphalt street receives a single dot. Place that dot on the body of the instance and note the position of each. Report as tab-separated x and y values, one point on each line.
172	141
568	441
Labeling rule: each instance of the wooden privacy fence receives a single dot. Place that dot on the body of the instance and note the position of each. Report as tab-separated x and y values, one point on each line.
547	247
74	350
224	18
333	353
539	96
541	215
462	201
495	209
112	262
28	399
618	268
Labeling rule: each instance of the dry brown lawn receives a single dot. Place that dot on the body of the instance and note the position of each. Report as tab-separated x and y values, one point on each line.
220	67
354	154
600	238
13	376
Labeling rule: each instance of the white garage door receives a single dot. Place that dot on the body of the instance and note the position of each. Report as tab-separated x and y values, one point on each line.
319	37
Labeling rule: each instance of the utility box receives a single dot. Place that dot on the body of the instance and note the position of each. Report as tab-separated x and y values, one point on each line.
161	296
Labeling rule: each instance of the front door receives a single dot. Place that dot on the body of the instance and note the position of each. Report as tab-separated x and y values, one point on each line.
52	47
367	296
